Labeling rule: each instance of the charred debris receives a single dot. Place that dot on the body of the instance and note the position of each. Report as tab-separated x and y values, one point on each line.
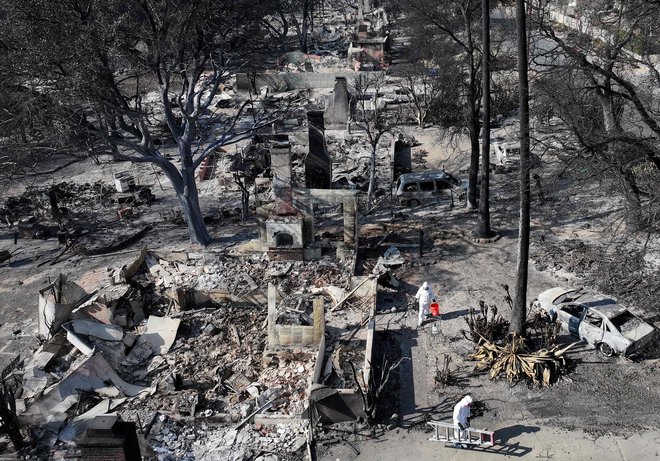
215	354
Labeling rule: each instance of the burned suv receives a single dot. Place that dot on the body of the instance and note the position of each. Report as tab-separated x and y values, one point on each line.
429	188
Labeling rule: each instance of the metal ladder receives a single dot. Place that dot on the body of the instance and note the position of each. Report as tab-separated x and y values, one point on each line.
476	437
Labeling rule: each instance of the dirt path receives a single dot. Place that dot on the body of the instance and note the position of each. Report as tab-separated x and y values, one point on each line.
452	152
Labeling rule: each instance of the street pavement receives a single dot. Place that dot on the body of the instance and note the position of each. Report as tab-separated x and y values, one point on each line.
515	441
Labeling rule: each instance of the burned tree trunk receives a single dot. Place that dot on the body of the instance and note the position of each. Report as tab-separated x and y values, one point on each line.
245	196
473	119
519	312
633	194
185	189
372	178
483	229
372	391
473	127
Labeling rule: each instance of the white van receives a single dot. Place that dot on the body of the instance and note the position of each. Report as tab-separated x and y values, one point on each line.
429	188
504	155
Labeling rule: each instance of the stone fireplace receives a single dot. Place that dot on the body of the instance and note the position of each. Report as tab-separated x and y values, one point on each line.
284	226
284	232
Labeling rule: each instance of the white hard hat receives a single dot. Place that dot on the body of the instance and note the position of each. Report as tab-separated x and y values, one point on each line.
425	285
468	399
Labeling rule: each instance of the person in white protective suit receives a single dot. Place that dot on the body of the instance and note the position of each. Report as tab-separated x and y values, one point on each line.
462	418
424	296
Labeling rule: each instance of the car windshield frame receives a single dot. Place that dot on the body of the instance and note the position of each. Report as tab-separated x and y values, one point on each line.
567	297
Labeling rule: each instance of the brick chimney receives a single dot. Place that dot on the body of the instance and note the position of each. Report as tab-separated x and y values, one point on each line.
280	165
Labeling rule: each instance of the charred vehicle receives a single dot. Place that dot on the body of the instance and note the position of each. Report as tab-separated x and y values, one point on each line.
505	155
429	188
597	319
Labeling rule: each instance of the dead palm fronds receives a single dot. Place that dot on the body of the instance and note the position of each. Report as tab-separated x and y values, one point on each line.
514	361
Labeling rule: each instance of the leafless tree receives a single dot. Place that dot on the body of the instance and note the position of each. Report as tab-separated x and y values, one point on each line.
299	14
455	26
8	419
600	81
371	392
102	60
426	87
372	118
451	30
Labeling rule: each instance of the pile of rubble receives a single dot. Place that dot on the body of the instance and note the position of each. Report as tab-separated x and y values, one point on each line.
198	378
66	210
237	275
69	197
213	355
186	441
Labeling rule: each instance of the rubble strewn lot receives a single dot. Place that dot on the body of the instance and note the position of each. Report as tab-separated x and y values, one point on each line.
215	370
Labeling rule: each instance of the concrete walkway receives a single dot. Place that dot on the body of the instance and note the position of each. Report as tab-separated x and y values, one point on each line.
516	441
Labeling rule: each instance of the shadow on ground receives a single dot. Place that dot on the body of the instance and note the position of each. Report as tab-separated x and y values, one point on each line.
504	435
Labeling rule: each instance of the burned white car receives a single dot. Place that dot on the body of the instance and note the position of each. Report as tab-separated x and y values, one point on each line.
597	319
505	154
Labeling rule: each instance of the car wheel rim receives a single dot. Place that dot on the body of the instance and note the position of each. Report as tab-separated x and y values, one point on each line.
606	350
